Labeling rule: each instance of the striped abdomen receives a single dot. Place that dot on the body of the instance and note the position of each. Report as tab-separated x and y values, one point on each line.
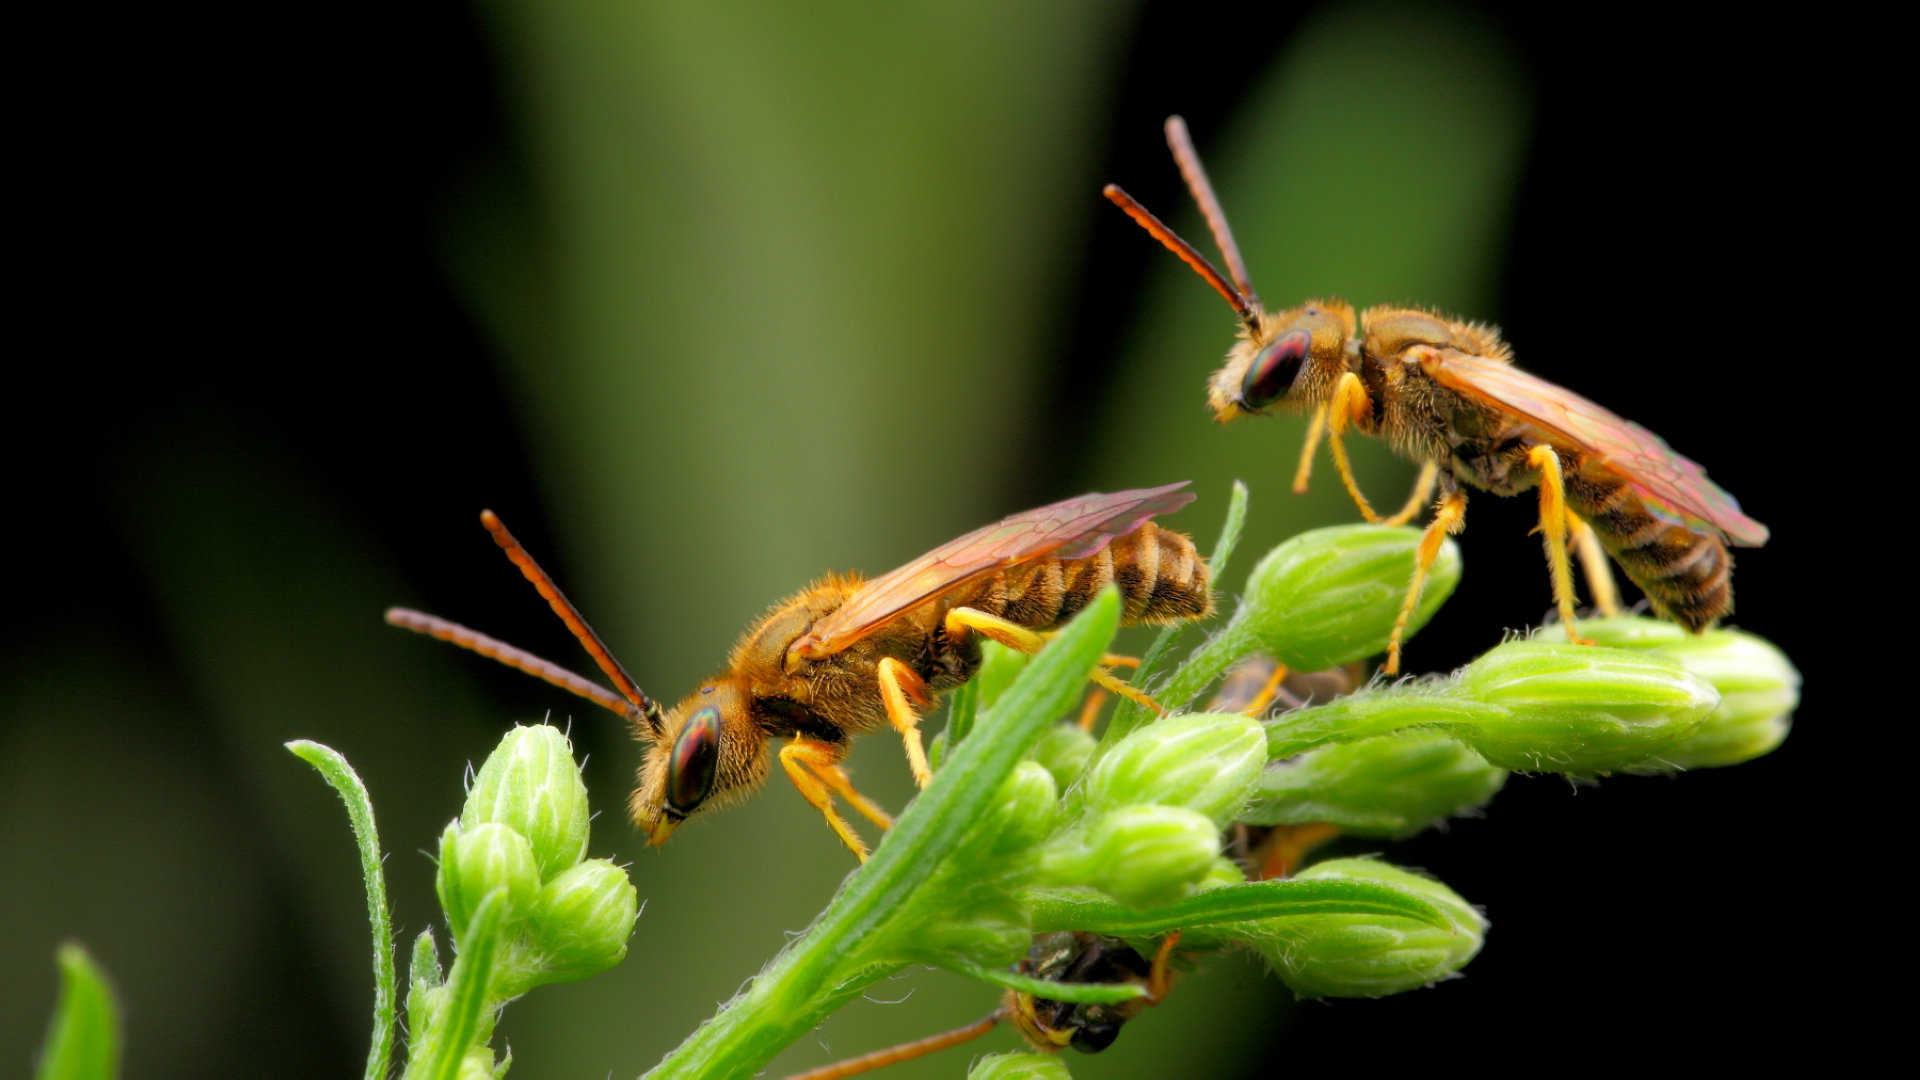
1687	575
1160	576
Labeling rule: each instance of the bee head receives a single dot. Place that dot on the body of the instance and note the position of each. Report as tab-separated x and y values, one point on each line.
709	753
1289	359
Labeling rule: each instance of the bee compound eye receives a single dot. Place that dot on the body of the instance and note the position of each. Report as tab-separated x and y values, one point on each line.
695	760
1272	372
1093	1037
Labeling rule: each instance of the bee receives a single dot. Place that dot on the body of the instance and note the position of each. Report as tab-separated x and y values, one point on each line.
1048	1026
845	656
1445	393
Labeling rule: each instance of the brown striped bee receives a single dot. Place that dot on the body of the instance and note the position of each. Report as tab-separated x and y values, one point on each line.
845	656
1445	393
1067	956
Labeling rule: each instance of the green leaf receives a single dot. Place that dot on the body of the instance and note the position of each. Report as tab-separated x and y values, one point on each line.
344	781
467	1019
1078	993
423	977
83	1042
1071	909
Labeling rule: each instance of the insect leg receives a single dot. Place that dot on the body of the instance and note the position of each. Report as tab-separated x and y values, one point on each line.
1447	518
1422	491
1014	636
1594	563
1159	977
1282	851
1553	526
900	690
811	767
1090	708
1350	402
893	1055
1316	427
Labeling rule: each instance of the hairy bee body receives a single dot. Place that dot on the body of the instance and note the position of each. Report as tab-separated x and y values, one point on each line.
1685	572
1160	576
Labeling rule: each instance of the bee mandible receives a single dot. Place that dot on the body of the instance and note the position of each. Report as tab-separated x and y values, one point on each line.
1445	393
844	656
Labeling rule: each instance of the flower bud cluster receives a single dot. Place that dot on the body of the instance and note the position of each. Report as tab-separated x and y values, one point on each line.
1155	805
521	836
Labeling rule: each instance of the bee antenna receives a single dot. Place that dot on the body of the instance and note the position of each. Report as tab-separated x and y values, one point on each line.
1158	229
893	1055
519	659
1196	176
649	708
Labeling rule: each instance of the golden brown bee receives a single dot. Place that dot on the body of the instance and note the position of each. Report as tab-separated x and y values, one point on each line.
1446	394
1067	956
844	656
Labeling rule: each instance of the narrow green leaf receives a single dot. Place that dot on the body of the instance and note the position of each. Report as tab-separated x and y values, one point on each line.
344	781
467	1019
1079	993
423	976
83	1042
1065	909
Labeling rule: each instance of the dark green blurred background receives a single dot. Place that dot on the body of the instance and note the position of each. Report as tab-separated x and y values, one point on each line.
706	300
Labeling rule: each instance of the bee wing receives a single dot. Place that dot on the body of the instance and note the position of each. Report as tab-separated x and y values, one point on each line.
1073	529
1674	488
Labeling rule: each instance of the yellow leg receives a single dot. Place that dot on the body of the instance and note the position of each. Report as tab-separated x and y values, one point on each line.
1595	565
1090	708
812	768
1422	491
1014	636
1160	976
1447	518
900	690
1553	526
1316	427
1349	403
1287	846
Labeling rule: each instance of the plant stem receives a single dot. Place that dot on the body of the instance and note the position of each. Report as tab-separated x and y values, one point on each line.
341	777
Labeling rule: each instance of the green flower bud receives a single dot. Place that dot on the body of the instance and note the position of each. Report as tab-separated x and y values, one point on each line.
1388	786
1140	855
1370	955
1064	751
582	919
1331	596
1023	814
1204	762
1020	1066
1580	709
1759	688
531	785
1225	872
478	1065
477	860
